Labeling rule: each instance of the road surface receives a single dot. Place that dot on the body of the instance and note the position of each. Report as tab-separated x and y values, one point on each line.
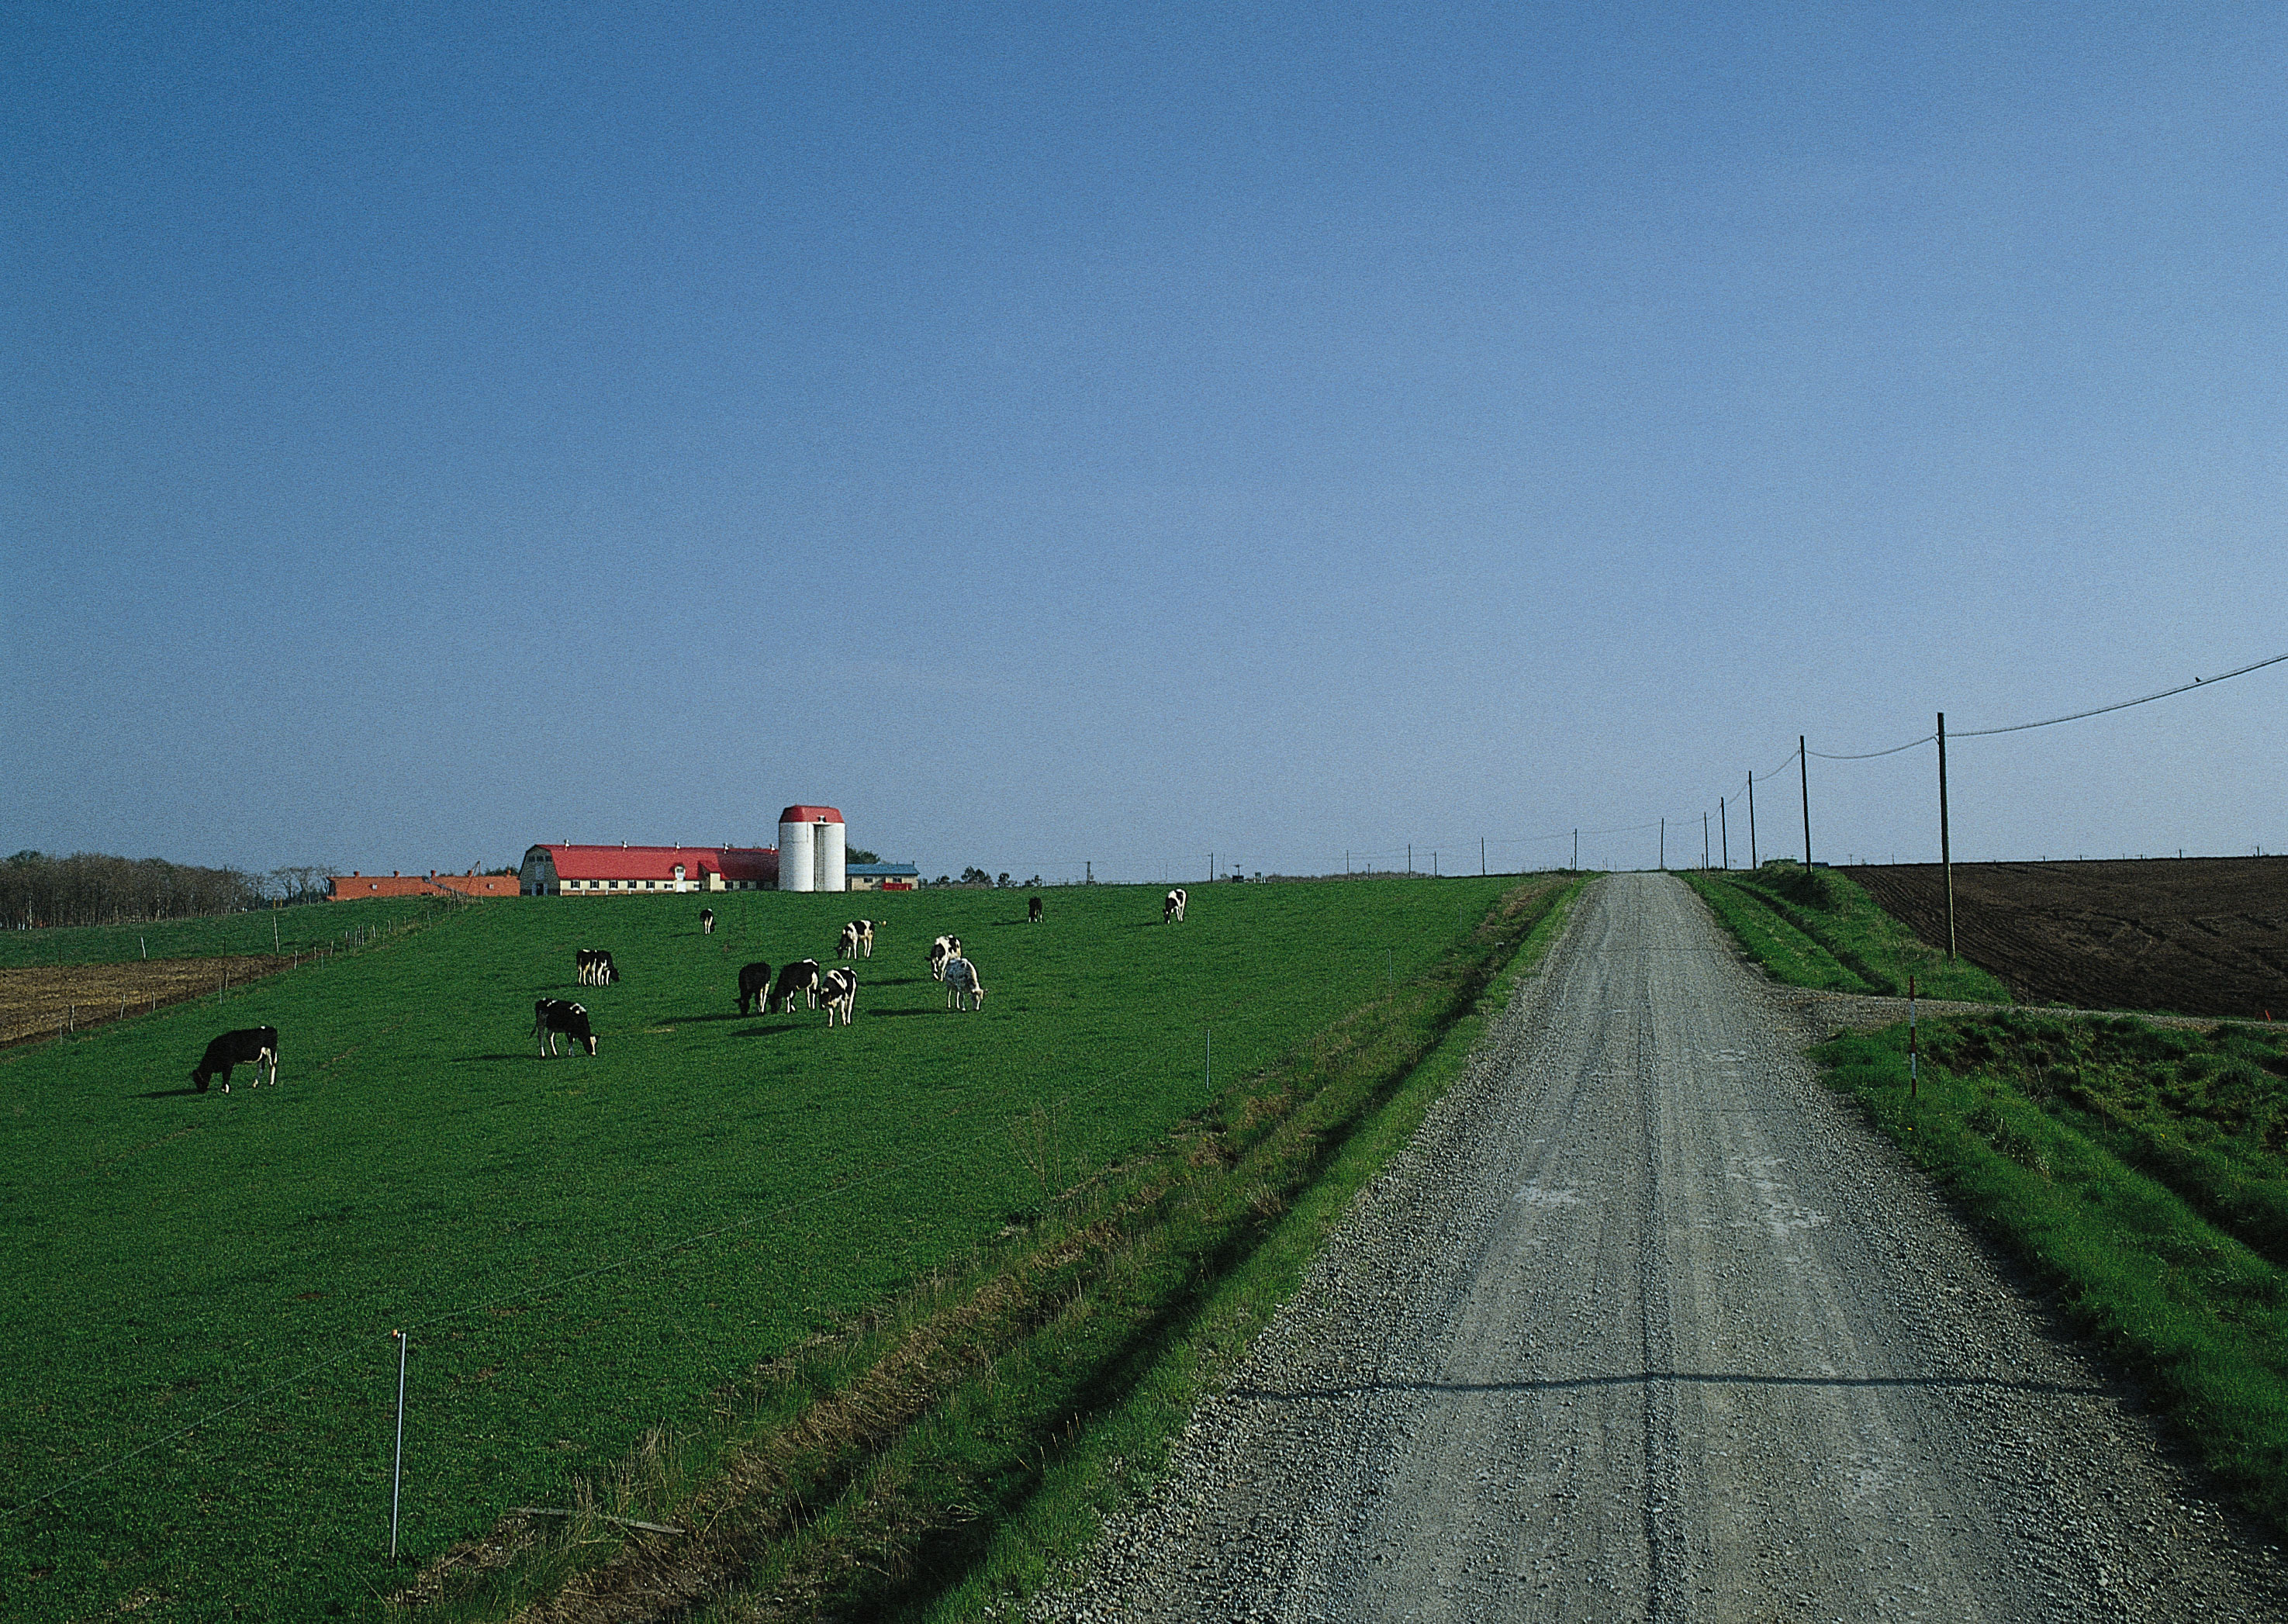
1647	1325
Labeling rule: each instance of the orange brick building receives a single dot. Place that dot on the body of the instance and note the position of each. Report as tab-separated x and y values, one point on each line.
343	887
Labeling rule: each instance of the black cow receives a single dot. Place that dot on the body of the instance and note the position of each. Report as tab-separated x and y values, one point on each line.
754	982
1032	910
799	977
707	922
254	1046
551	1016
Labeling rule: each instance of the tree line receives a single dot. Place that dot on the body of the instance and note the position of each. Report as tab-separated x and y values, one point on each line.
89	887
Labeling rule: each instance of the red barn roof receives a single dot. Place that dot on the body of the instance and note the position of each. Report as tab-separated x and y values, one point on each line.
658	862
810	814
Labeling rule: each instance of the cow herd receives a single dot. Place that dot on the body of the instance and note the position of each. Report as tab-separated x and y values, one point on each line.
835	989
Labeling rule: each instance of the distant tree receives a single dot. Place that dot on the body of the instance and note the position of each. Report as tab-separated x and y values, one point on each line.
1036	880
943	879
860	854
974	876
1004	881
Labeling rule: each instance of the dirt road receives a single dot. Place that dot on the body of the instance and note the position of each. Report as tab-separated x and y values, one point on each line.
1646	1326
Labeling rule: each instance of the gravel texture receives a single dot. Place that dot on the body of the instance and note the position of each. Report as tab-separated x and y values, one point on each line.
1646	1325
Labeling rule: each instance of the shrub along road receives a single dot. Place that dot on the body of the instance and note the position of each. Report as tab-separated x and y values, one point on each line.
1648	1324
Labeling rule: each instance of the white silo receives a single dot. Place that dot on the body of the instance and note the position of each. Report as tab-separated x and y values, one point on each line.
830	845
811	847
797	864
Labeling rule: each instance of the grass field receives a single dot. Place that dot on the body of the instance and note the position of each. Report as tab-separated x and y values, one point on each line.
199	1372
286	930
1815	928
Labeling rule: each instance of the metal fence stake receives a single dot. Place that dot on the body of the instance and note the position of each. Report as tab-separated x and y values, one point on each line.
397	1472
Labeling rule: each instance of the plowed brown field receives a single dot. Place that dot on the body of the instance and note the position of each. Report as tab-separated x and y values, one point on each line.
2196	936
41	1001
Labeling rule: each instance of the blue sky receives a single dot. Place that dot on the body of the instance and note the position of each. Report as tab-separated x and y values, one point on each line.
1068	433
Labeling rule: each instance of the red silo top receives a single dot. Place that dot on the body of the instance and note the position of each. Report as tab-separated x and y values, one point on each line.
810	814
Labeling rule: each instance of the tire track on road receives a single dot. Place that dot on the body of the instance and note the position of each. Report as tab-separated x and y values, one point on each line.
1646	1325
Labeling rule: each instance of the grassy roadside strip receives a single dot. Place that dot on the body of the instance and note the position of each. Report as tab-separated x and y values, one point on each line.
2177	1303
1815	928
883	1469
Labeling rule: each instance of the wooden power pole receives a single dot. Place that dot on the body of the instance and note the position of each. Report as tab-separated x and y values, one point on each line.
1803	760
1945	842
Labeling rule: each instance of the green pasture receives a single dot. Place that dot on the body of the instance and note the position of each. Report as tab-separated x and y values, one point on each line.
198	1371
284	930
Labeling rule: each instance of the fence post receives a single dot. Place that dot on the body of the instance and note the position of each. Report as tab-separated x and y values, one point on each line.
397	1470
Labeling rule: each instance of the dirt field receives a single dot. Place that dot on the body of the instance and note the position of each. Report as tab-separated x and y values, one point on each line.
2196	935
42	1000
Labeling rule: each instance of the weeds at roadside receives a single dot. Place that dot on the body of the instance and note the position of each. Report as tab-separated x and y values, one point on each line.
1815	928
2026	1120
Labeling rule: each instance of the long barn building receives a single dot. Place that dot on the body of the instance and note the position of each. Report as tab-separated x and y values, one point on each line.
595	871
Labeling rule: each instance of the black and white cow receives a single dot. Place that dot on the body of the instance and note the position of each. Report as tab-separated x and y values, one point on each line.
1172	912
943	949
857	940
799	977
595	966
865	936
706	922
839	992
254	1046
754	982
551	1016
1032	910
961	981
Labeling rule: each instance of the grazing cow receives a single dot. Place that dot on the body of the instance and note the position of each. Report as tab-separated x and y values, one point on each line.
799	977
846	946
1172	912
838	991
943	949
866	936
595	966
1032	910
754	982
551	1016
961	982
706	922
254	1046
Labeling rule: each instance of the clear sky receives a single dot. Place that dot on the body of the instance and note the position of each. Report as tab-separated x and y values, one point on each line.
1120	434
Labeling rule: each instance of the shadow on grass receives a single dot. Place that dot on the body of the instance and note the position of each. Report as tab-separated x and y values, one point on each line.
168	1093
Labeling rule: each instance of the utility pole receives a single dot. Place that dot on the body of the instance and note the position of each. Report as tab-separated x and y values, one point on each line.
1481	857
1803	760
1724	834
1704	840
1945	844
1577	850
1663	846
1751	823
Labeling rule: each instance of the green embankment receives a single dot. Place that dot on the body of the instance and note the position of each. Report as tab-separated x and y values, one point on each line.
198	1371
285	930
2141	1173
1815	928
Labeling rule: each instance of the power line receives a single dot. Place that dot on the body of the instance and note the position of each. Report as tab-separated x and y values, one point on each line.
2198	682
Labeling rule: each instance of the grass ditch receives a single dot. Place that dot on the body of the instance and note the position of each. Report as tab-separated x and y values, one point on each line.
2140	1174
1814	927
957	1442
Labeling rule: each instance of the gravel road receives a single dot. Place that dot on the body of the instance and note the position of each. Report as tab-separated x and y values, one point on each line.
1645	1324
